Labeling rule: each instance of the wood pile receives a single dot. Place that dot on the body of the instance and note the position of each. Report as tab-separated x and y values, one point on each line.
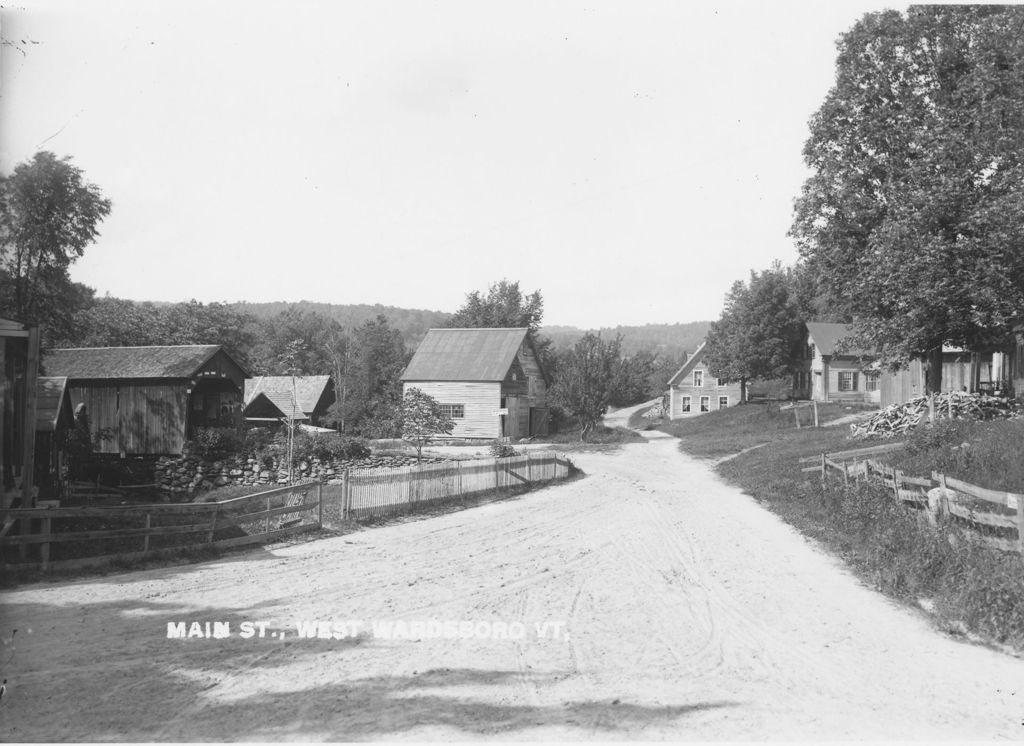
898	419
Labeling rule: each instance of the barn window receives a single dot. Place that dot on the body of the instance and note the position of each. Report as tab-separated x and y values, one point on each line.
454	411
705	404
723	402
698	378
847	380
686	404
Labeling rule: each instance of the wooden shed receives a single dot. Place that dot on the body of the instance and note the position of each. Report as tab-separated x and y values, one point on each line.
269	399
19	364
490	381
150	400
694	389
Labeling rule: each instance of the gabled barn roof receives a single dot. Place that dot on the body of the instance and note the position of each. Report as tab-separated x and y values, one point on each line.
826	336
690	364
173	361
308	390
465	355
273	405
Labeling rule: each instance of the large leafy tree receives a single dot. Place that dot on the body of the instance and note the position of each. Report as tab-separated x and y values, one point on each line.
587	378
912	217
759	331
49	214
504	305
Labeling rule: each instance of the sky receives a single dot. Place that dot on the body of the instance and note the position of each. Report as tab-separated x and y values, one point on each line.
630	160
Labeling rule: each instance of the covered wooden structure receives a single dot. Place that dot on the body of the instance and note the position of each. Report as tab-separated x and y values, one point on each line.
19	368
150	400
490	381
54	419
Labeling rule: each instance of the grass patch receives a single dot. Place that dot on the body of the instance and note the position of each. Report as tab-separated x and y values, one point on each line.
728	431
985	453
973	587
600	435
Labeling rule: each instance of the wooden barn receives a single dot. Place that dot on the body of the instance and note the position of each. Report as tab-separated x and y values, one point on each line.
490	381
826	374
150	400
695	390
19	365
54	418
269	399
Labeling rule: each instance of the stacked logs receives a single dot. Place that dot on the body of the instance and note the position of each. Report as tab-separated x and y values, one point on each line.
898	419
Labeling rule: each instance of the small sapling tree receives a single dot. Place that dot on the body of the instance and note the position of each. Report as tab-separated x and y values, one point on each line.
422	419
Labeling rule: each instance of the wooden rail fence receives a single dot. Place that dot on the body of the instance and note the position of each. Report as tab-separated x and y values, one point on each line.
938	495
264	516
252	518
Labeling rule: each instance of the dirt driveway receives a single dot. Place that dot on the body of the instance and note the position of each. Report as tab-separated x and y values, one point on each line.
655	601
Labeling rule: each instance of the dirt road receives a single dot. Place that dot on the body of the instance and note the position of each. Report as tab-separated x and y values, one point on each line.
674	607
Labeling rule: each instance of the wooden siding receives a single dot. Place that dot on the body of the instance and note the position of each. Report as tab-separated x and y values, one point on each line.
144	418
709	389
480	399
537	389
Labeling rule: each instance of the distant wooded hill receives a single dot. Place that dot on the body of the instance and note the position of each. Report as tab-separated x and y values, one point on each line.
668	339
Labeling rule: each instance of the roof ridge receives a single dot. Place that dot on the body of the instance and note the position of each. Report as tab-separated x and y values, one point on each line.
133	347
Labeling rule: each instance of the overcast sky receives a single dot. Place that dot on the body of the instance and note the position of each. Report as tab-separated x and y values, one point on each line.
631	160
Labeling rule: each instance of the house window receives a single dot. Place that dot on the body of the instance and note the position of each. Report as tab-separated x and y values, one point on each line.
847	380
698	378
871	381
686	404
810	351
723	402
705	404
720	382
454	411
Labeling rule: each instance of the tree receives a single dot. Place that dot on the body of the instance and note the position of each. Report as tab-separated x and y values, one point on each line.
48	215
369	386
421	419
912	217
586	380
503	306
759	332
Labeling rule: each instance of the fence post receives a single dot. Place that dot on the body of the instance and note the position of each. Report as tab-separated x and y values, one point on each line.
944	499
458	475
814	402
319	504
846	472
823	467
796	414
346	493
497	468
267	529
213	523
529	469
1020	524
931	407
145	539
44	548
896	474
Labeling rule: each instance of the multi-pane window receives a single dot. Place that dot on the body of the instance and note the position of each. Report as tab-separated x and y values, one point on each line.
454	411
705	404
871	382
698	378
847	380
686	404
723	402
720	382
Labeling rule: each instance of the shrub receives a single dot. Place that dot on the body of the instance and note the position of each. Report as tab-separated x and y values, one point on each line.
502	450
214	443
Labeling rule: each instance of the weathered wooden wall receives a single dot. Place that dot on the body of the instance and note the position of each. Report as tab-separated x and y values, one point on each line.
144	418
480	399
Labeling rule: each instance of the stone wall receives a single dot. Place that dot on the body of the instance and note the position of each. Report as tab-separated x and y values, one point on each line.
191	474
